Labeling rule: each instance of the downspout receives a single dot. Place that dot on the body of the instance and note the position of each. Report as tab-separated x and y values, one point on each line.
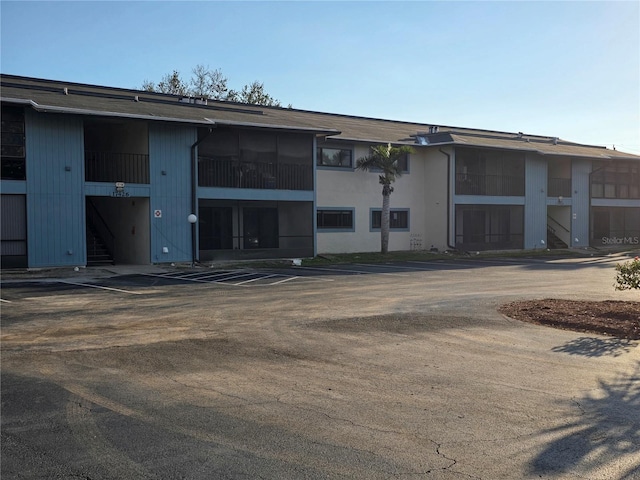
448	198
589	207
194	196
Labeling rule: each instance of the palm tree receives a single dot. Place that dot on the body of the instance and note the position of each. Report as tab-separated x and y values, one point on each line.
386	160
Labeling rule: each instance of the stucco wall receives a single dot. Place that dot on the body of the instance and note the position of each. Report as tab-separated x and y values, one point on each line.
423	191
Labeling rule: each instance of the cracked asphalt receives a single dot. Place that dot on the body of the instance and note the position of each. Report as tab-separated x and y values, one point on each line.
401	371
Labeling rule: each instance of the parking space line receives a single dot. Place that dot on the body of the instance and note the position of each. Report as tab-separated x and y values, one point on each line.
256	279
5	301
284	280
100	287
233	276
187	276
169	277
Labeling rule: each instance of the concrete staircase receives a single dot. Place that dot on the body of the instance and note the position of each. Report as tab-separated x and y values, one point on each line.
97	252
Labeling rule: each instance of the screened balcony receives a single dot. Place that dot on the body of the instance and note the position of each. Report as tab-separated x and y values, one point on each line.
615	180
489	172
259	159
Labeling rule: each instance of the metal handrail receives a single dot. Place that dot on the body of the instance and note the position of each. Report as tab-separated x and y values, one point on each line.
557	223
98	222
116	167
498	185
233	172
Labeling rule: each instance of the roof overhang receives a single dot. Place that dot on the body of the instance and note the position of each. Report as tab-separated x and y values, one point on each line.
191	121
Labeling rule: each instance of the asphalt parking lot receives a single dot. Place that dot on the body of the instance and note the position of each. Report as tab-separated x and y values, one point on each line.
402	370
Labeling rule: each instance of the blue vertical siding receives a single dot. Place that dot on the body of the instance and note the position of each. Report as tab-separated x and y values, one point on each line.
535	205
170	152
55	196
580	207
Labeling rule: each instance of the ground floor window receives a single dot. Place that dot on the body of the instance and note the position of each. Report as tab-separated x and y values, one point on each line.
254	229
335	219
489	227
14	231
615	226
398	219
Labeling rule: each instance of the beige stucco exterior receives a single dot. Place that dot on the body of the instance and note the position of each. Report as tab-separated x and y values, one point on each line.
423	191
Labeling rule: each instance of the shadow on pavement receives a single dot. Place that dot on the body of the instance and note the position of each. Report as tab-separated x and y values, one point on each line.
597	347
604	440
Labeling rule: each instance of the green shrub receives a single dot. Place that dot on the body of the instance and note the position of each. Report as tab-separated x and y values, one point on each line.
628	276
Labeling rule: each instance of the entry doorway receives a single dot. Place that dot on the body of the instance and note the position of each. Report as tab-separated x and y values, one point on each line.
118	231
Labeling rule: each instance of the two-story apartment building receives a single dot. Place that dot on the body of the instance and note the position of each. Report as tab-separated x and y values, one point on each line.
97	174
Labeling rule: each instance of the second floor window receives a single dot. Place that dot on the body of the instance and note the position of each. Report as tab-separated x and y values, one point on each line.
335	157
13	144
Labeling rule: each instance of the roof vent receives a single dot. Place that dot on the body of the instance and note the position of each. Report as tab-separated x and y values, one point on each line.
422	140
66	91
555	140
433	129
136	98
193	101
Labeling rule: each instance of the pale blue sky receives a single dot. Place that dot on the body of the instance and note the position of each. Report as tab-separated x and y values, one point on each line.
567	69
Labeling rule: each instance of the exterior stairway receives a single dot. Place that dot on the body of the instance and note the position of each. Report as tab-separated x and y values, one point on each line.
553	241
97	252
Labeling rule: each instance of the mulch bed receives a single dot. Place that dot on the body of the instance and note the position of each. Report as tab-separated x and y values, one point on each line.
613	318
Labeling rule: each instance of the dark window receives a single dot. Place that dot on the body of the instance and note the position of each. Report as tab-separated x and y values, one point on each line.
403	163
13	144
337	219
398	219
335	157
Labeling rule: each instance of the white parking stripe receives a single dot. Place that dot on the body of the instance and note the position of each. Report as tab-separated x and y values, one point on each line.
187	276
284	280
100	287
5	301
256	279
233	276
168	277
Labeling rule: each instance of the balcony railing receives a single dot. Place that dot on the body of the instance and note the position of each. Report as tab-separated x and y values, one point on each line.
559	187
116	167
232	173
495	185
